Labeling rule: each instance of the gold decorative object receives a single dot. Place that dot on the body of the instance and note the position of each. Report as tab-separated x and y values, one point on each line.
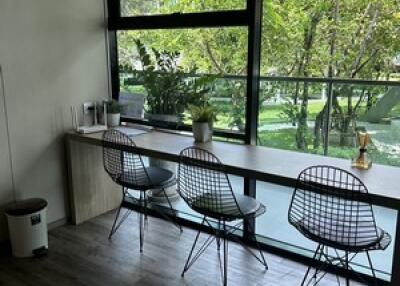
362	161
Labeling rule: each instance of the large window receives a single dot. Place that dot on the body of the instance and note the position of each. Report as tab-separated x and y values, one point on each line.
304	76
214	58
329	69
169	55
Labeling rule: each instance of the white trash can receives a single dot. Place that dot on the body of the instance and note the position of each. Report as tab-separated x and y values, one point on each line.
27	225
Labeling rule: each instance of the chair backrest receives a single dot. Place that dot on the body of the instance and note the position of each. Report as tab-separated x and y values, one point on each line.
332	203
119	160
204	184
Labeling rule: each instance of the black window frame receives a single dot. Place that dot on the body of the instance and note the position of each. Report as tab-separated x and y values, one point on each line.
249	17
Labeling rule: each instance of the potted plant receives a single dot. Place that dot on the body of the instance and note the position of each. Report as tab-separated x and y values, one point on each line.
203	118
113	113
170	89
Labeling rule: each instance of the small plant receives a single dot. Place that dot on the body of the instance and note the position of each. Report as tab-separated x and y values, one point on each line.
113	107
203	113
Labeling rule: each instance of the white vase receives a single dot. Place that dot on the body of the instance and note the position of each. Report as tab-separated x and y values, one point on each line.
202	131
113	119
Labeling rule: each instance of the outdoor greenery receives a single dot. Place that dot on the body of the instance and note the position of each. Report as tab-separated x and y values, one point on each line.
355	39
203	113
168	88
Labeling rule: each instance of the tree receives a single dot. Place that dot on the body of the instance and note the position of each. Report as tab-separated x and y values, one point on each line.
322	38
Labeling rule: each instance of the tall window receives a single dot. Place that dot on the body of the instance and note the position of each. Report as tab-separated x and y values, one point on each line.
173	54
330	70
301	75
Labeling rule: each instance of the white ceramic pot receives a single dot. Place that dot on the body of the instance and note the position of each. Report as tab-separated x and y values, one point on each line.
202	131
113	119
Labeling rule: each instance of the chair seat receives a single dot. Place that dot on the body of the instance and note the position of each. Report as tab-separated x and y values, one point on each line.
363	242
156	178
227	210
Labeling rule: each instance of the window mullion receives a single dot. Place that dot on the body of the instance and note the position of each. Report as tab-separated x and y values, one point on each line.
178	20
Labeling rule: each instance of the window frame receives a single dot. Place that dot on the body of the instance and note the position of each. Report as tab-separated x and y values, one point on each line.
249	17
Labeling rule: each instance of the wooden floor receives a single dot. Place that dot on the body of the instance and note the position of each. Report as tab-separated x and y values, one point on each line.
82	255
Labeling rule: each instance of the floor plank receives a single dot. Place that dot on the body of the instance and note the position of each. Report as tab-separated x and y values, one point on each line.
82	255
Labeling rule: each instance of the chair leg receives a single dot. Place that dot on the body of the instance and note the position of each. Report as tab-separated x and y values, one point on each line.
188	260
261	259
113	229
141	223
225	280
264	261
309	267
172	209
115	226
145	211
217	236
347	269
372	268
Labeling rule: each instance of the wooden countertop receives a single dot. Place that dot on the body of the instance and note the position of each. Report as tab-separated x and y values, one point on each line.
262	163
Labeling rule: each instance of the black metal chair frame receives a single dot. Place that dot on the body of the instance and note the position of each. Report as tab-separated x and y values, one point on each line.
331	206
208	177
120	158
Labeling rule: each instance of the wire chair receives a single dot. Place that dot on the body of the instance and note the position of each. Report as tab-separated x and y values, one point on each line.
332	207
126	168
204	185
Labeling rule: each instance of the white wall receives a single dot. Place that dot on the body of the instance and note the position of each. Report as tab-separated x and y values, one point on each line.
53	54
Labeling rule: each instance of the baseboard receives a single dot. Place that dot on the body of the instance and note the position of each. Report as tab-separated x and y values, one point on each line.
57	223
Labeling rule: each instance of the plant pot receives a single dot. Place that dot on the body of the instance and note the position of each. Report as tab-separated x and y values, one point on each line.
202	131
113	119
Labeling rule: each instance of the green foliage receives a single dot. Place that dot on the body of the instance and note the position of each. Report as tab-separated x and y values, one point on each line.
204	113
290	112
355	39
113	106
169	90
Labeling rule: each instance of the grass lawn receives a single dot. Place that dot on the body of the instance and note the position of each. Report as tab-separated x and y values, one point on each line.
273	113
285	139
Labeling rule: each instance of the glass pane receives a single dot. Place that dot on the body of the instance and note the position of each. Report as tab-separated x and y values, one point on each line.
152	7
193	65
274	228
357	39
290	115
366	108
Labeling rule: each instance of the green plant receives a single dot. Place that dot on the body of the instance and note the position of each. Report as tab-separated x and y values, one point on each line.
113	106
204	113
169	89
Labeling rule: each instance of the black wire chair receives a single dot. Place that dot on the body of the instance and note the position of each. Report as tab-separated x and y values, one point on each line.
127	169
205	187
331	207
